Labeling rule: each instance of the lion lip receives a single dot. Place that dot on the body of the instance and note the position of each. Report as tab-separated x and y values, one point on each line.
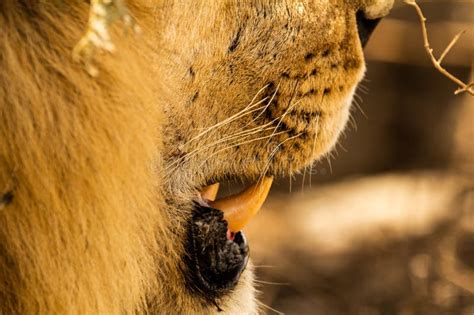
240	208
215	262
218	251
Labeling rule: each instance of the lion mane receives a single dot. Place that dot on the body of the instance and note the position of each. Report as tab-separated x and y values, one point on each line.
78	156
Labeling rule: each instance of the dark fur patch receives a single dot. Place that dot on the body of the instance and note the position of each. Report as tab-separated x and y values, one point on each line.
214	262
309	57
192	73
351	64
326	53
195	96
235	41
6	199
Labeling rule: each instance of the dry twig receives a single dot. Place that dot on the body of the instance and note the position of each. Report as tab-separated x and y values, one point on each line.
463	87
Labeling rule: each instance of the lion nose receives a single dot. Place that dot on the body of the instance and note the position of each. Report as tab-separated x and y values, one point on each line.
365	27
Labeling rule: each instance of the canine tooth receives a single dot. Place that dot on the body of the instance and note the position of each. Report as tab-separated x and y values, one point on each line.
240	208
210	192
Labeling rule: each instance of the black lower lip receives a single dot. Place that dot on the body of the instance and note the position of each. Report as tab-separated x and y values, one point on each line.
214	263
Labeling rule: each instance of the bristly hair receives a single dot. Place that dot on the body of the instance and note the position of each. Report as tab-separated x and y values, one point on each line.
79	236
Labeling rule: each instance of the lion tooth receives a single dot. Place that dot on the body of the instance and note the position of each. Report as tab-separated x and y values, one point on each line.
240	208
210	192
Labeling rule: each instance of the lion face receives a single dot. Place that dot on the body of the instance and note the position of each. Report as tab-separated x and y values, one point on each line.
261	89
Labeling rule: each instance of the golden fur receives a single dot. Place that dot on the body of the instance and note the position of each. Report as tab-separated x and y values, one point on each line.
84	162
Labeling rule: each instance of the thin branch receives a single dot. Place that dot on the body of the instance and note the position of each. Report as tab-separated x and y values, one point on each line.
451	44
463	87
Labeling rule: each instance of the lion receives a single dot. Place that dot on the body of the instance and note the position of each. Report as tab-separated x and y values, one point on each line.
108	184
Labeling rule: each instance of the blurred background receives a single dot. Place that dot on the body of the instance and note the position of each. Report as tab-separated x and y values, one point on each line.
386	224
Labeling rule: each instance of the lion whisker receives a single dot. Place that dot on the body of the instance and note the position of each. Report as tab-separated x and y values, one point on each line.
236	145
357	101
242	134
268	103
263	266
364	89
304	178
314	147
233	117
272	154
272	283
270	308
283	116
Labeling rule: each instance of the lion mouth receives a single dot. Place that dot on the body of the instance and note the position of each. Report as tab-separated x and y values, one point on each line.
238	209
217	250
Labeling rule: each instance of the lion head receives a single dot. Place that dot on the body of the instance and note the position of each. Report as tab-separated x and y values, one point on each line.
103	199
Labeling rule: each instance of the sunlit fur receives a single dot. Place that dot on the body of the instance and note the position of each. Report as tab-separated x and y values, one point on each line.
278	66
84	162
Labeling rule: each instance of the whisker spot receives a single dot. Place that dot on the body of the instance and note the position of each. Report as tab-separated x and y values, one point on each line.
309	57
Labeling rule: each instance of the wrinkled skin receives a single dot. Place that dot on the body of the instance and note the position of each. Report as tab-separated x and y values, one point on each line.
99	177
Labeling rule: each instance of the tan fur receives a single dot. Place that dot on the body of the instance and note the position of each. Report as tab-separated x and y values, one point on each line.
83	161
